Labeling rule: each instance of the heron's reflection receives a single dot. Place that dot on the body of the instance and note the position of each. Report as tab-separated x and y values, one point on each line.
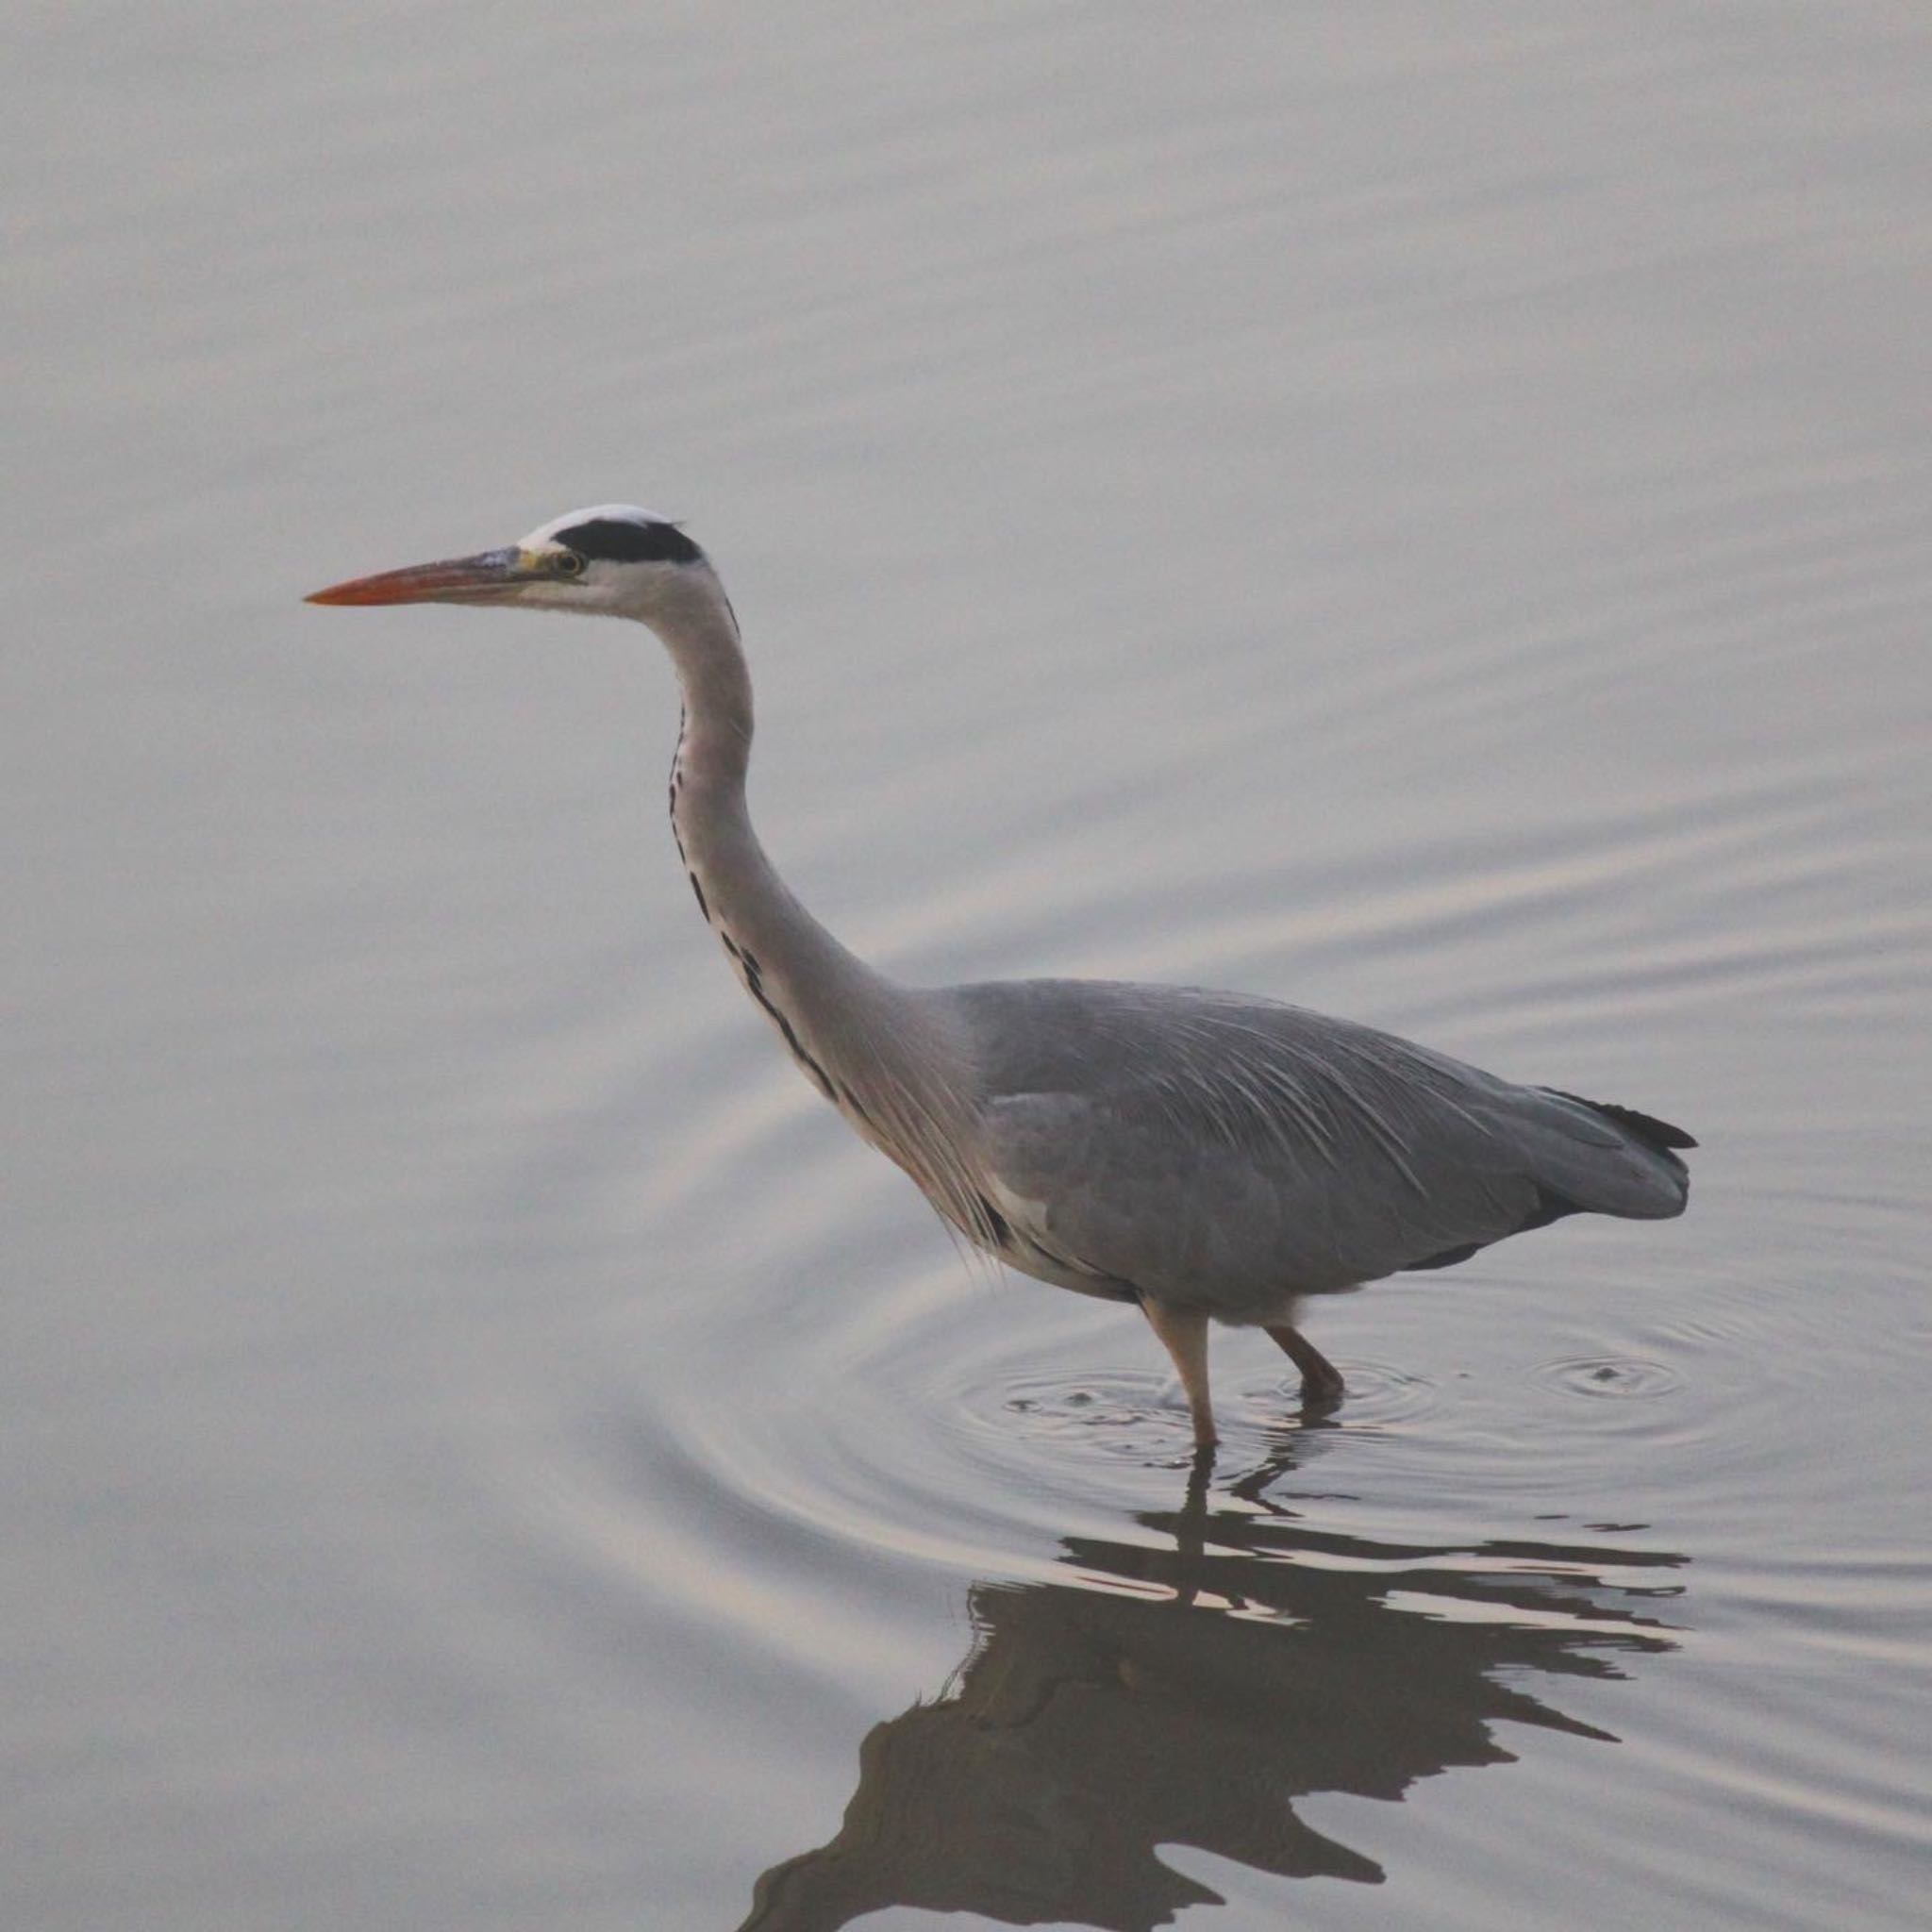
1187	1693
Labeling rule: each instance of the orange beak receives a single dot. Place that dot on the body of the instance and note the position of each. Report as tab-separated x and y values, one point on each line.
492	578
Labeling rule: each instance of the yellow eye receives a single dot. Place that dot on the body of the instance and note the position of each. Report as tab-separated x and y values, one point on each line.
567	563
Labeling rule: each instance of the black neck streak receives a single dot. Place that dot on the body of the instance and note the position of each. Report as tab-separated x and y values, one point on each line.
749	971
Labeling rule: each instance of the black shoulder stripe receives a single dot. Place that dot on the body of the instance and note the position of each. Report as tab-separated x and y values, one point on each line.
1449	1257
1549	1206
997	1222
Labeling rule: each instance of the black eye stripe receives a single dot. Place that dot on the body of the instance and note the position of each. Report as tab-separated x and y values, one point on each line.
617	542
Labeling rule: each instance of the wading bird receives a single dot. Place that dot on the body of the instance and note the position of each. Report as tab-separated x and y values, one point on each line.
1205	1156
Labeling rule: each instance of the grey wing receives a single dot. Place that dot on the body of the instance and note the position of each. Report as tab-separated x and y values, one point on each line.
1231	1153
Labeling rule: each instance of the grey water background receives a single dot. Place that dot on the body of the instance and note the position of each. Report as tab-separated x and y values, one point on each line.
1423	515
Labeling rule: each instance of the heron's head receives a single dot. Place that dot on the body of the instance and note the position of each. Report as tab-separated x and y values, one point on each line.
614	559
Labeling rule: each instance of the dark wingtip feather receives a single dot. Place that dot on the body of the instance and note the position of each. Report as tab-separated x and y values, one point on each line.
1647	1128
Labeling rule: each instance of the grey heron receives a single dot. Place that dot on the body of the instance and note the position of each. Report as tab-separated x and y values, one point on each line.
1203	1156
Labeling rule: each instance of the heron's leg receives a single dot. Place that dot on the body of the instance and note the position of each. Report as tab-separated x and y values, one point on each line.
1184	1335
1322	1382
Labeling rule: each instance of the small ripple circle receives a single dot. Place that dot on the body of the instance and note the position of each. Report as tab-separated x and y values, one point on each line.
1606	1376
1116	1415
1379	1395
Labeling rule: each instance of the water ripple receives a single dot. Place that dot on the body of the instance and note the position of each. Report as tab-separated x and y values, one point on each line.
1606	1376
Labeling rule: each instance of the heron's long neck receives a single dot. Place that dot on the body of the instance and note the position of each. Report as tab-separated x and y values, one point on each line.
870	1046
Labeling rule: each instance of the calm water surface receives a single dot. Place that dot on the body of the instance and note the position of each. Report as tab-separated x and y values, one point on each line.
1432	527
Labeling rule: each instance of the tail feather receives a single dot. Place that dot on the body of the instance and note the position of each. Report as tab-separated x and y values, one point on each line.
1646	1127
